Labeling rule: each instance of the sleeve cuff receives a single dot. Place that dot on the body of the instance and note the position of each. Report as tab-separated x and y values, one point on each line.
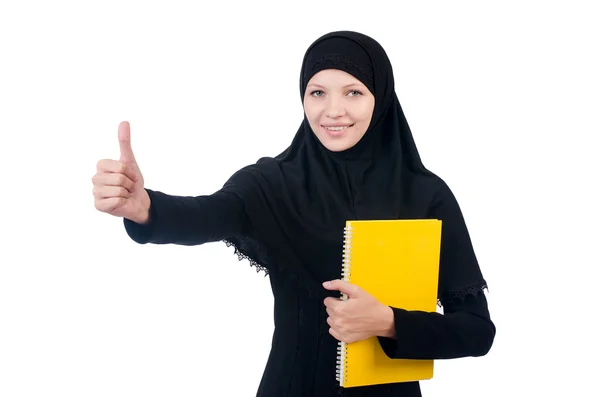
391	346
142	234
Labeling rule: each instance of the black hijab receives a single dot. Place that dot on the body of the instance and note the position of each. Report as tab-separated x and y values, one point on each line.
297	203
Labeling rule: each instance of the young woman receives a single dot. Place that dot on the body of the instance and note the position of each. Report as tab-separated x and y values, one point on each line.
353	157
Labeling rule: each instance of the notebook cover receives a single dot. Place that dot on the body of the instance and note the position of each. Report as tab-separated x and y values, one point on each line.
396	261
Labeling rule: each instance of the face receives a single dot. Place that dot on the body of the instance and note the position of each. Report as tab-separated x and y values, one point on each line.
339	108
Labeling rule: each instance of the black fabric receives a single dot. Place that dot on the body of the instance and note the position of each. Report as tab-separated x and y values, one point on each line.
299	201
303	353
286	215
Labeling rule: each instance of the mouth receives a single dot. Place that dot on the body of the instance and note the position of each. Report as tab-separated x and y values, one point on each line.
336	130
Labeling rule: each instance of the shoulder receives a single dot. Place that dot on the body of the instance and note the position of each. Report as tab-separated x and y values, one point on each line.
444	195
444	205
255	174
264	166
442	201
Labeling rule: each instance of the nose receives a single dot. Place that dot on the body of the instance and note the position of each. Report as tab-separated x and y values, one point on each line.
335	108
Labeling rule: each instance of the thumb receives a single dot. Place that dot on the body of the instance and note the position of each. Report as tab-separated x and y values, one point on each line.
349	289
125	143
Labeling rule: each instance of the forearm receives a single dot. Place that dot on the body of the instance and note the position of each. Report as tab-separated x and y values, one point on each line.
464	331
187	220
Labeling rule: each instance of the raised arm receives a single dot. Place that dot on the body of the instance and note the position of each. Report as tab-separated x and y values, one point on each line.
189	220
155	217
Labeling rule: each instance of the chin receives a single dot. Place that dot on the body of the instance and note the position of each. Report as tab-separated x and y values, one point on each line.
336	146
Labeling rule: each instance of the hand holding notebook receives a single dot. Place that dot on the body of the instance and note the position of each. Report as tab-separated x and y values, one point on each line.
358	318
395	262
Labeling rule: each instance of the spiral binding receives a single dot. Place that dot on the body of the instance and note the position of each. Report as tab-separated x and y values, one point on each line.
342	362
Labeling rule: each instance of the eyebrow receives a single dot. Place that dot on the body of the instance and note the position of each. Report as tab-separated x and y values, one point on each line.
346	86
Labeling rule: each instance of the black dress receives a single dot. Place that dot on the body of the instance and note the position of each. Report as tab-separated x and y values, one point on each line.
302	361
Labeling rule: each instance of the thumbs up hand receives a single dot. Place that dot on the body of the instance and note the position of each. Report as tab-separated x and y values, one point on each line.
119	185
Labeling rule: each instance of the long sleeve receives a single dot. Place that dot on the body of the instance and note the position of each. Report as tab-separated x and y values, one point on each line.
187	220
465	329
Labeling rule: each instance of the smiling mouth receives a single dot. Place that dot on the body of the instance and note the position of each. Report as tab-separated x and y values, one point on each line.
337	128
336	131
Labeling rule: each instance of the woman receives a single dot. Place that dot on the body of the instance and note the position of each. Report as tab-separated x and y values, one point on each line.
353	157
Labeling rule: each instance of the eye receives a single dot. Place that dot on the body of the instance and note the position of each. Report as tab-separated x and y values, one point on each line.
355	93
316	93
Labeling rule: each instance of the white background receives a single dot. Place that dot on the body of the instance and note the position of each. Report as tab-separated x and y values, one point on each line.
503	102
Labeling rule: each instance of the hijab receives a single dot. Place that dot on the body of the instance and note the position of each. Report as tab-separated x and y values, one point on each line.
297	202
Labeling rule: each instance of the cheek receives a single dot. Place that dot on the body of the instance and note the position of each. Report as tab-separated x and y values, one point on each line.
362	118
366	112
313	115
314	122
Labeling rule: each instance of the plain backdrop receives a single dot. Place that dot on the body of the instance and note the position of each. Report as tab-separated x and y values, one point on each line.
502	98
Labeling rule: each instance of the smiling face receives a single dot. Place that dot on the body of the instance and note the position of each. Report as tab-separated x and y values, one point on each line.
338	108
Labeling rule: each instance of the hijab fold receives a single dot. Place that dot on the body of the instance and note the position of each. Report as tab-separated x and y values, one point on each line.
297	202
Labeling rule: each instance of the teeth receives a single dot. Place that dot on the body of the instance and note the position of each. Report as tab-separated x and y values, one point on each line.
337	128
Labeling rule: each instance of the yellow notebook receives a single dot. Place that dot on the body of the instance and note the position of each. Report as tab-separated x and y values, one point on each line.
396	261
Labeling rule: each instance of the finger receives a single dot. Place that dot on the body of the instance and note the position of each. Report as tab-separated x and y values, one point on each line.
335	334
125	143
332	302
118	167
103	192
112	179
339	285
109	204
330	322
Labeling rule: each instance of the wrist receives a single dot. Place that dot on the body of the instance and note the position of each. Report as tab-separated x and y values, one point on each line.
388	325
143	217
